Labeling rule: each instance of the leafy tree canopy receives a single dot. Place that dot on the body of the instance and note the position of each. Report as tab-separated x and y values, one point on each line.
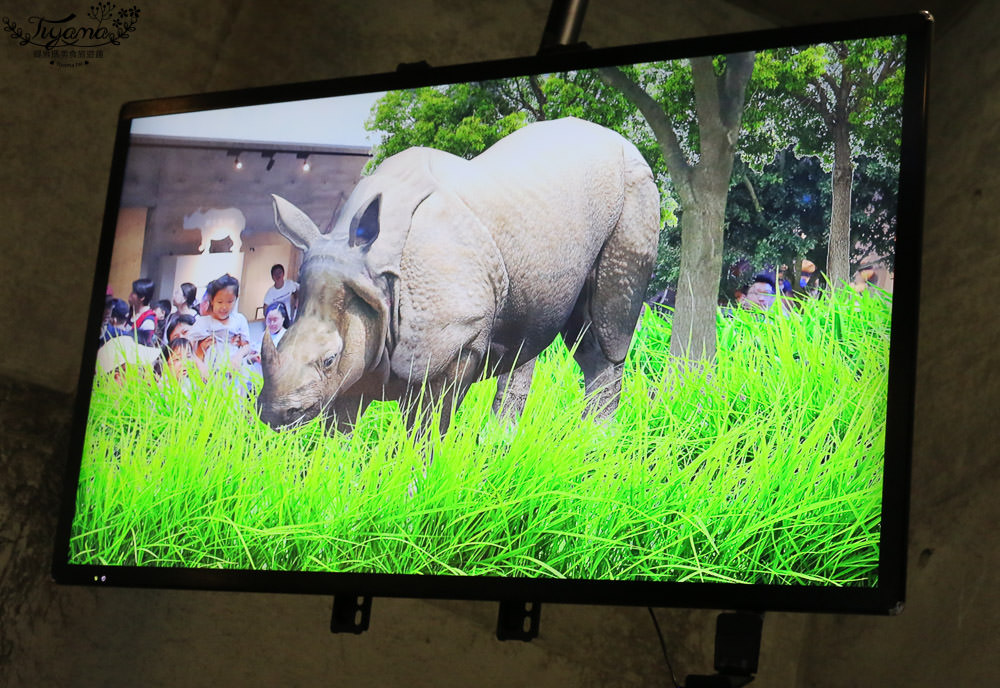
780	197
782	213
797	95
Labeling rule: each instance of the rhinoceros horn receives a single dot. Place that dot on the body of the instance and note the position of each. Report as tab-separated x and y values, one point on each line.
269	360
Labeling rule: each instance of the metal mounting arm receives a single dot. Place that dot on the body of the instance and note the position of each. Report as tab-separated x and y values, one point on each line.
562	29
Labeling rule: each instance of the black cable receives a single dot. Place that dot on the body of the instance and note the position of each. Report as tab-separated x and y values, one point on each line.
663	646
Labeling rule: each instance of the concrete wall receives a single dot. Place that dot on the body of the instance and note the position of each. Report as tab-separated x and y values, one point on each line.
58	130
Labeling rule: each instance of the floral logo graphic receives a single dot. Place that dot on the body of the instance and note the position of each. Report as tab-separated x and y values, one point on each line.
70	37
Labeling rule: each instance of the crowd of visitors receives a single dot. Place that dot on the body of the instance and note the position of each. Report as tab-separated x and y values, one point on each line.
185	336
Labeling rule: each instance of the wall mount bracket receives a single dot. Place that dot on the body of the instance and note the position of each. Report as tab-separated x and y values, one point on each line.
351	614
518	620
737	651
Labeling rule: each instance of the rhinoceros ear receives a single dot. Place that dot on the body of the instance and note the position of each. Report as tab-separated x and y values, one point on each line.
365	224
294	224
376	322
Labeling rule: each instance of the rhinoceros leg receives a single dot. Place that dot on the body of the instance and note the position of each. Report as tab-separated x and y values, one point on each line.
346	412
443	393
608	308
512	391
602	377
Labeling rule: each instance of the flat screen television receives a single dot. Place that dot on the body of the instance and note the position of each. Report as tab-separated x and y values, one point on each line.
621	326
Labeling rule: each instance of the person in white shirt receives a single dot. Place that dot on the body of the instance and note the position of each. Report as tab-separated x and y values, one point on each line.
285	291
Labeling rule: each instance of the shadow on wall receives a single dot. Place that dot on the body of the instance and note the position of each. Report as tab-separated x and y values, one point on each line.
34	424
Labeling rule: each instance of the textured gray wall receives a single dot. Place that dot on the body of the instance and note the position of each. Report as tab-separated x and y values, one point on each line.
57	129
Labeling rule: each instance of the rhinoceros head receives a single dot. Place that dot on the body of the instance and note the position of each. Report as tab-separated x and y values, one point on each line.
336	347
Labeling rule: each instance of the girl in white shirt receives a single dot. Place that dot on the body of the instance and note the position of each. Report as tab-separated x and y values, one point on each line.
222	336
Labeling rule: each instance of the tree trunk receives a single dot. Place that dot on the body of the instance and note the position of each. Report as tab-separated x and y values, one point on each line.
838	257
794	274
694	322
719	101
703	188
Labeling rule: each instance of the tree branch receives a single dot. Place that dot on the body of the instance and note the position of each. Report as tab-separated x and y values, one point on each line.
828	78
536	89
719	100
753	194
677	165
732	97
889	68
822	103
706	91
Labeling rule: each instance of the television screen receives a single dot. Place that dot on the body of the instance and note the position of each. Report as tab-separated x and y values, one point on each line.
625	326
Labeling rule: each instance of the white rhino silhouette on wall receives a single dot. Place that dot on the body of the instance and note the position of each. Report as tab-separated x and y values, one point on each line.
216	224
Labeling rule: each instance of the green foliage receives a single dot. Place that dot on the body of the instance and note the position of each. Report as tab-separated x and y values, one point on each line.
466	119
671	84
796	94
456	118
782	213
775	216
785	109
776	92
765	467
876	66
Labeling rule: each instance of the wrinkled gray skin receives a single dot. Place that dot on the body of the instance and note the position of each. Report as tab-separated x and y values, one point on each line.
441	271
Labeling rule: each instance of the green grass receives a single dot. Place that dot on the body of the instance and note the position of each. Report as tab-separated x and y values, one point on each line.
765	467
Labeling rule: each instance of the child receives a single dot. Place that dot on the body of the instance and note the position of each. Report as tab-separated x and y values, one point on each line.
162	310
180	359
178	325
276	321
222	336
184	299
144	318
117	320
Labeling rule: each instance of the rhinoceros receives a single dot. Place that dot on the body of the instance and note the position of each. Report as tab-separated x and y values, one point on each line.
440	271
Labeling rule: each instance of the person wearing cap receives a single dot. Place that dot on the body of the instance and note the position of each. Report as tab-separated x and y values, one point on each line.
119	353
761	294
808	270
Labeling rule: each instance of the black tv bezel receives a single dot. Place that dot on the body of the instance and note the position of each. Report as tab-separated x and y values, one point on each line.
887	598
